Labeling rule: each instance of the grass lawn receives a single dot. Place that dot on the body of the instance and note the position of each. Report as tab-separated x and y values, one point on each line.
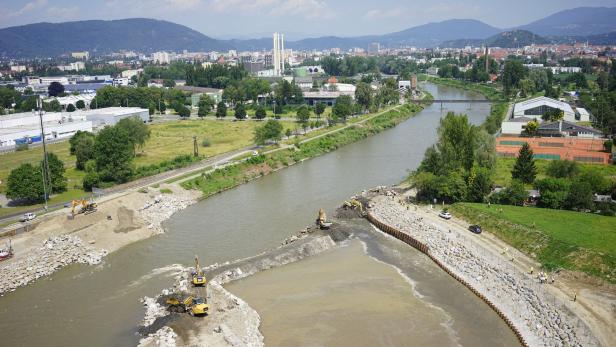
171	139
167	141
505	165
558	238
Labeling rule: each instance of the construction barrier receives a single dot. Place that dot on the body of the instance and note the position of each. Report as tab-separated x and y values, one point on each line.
420	246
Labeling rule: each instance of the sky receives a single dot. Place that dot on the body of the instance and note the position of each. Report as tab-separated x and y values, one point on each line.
296	18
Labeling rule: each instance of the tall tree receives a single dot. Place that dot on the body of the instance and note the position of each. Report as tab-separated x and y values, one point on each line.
524	168
343	108
56	173
363	95
271	130
113	153
319	108
240	111
206	104
221	110
303	116
260	112
25	183
55	89
84	151
513	73
139	131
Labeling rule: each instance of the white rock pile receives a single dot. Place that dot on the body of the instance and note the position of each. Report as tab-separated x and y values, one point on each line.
55	253
162	207
543	319
163	337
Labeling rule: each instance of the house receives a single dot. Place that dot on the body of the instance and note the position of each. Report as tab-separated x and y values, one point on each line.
537	107
567	129
304	82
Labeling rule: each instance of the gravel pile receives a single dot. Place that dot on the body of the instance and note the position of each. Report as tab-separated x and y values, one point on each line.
55	253
163	206
164	337
543	319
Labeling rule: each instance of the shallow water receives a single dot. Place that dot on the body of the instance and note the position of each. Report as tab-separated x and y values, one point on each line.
99	306
342	298
377	291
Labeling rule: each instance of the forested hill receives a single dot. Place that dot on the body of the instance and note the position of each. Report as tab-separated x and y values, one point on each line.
99	37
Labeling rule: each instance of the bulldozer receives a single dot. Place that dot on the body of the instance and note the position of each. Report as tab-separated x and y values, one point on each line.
82	206
321	221
198	278
180	303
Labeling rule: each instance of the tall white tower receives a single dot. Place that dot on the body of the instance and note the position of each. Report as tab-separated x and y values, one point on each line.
278	50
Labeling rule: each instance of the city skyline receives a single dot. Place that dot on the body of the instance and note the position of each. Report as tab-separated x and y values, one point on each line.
297	18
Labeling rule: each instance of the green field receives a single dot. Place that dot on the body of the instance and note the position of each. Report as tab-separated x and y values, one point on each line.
557	238
502	175
168	140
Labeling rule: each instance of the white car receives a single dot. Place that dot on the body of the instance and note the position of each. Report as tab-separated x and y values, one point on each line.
445	215
27	217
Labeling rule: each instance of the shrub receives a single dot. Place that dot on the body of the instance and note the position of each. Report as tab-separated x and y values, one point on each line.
206	143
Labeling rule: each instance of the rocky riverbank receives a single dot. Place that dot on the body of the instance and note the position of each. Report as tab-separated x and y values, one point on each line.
542	318
231	321
55	253
57	241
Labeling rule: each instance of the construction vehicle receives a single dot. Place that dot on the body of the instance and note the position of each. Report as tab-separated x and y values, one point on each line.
82	206
353	204
322	220
180	303
198	278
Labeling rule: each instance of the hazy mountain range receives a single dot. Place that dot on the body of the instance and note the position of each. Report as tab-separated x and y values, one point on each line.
597	25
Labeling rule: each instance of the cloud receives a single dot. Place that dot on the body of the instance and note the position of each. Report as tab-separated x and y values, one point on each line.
28	7
384	14
148	6
69	12
305	8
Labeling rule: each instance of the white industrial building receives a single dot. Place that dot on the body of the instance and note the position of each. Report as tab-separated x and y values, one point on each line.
583	115
537	107
111	115
26	128
515	126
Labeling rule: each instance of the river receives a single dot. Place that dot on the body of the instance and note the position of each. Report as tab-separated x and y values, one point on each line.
98	305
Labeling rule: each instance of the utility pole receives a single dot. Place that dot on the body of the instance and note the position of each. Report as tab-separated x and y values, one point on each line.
45	171
195	147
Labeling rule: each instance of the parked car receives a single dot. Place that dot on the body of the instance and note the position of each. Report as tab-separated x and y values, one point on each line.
27	217
445	215
475	229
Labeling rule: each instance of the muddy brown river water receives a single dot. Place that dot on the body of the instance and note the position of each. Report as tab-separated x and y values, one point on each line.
99	305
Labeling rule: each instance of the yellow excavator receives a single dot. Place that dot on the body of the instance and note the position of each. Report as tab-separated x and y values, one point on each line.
198	278
195	306
82	206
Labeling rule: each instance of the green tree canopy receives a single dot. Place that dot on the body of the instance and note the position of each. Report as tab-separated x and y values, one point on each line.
55	89
25	183
221	110
70	108
240	111
138	130
524	168
303	116
270	131
319	109
113	153
260	112
363	95
343	108
80	104
56	173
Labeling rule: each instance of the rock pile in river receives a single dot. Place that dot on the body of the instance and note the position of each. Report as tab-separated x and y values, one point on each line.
55	253
542	318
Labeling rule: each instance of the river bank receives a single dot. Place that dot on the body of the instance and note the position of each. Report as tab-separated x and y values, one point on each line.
59	241
541	317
